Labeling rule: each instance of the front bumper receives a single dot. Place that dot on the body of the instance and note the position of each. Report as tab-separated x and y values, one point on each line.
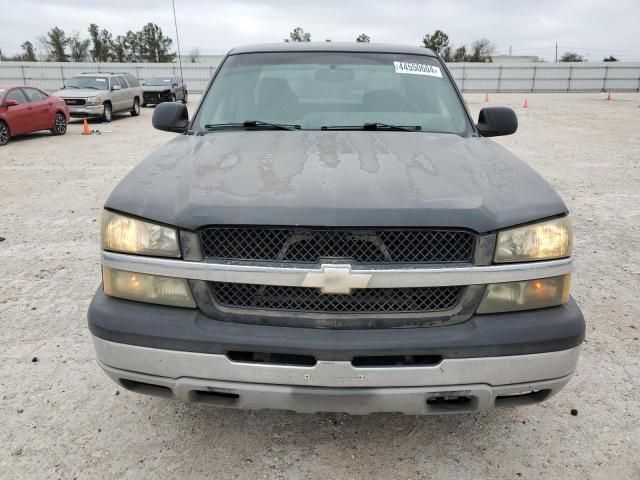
481	363
443	397
86	111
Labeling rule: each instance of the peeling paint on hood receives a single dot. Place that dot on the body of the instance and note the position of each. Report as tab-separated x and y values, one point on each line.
338	178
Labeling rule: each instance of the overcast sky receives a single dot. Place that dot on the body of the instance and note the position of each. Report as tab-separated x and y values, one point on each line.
593	28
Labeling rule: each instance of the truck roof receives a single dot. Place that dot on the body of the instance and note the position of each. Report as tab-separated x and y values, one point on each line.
331	47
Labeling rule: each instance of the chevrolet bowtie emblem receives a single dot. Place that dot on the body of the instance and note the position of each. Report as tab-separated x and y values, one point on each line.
336	279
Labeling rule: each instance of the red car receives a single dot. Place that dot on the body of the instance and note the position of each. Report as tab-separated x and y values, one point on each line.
29	109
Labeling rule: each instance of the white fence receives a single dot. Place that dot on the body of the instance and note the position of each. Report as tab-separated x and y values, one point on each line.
471	77
52	75
547	77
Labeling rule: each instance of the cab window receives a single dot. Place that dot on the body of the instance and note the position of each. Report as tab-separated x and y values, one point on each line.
132	81
17	95
319	90
34	95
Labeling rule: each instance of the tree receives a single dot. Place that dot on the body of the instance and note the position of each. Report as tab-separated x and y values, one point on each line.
460	54
363	38
436	42
194	55
133	46
298	35
29	54
156	45
610	58
120	53
79	48
108	45
571	57
98	52
446	54
58	42
481	51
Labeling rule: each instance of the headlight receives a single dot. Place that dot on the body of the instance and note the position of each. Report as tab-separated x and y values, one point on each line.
125	234
94	101
142	287
539	241
527	295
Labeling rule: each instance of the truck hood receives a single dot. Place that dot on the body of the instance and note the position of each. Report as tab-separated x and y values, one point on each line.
80	92
159	88
338	178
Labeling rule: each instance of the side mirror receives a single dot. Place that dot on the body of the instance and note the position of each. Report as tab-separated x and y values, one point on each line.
115	87
496	121
11	103
170	117
143	82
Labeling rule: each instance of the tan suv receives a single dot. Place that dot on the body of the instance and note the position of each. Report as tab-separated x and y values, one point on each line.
102	95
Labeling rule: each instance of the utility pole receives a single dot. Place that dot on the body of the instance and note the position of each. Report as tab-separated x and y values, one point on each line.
556	52
175	22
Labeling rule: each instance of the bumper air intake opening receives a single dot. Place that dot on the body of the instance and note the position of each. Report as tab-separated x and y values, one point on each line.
520	399
214	397
146	388
396	361
452	402
272	358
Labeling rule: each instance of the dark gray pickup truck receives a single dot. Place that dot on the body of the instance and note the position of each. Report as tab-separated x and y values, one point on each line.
332	232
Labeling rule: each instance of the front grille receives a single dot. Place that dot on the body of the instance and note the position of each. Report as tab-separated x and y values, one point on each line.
307	245
152	97
75	101
302	299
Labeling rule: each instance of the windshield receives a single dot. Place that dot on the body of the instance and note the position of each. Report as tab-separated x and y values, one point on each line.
158	82
98	83
318	90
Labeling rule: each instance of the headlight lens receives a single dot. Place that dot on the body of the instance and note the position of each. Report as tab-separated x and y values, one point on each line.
539	241
125	234
527	295
142	287
94	101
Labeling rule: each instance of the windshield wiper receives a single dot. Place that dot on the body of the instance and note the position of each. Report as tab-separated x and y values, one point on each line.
374	126
252	124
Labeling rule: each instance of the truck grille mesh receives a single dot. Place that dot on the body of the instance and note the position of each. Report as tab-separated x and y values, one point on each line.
305	245
302	299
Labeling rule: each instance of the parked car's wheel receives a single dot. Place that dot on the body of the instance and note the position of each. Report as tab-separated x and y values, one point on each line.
107	116
4	133
184	98
59	125
136	108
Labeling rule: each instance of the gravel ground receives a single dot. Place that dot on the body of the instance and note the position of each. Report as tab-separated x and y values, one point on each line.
61	417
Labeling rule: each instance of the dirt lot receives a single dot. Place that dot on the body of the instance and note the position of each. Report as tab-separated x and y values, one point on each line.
61	417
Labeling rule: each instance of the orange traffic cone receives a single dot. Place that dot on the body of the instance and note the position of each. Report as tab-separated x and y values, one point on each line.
609	97
525	104
486	98
85	128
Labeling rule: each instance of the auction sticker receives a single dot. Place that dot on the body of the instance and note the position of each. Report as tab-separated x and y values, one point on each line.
417	69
